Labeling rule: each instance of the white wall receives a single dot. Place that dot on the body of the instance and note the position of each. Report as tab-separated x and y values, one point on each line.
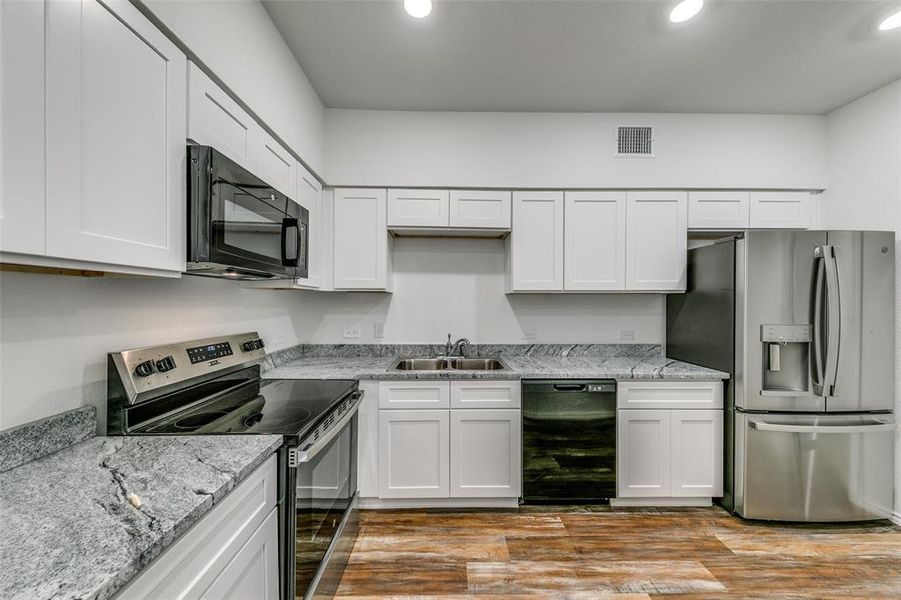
55	331
387	148
456	286
864	159
239	42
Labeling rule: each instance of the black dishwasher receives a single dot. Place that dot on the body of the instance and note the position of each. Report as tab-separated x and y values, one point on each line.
569	440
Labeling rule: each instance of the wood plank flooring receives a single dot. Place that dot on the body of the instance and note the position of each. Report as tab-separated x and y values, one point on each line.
616	554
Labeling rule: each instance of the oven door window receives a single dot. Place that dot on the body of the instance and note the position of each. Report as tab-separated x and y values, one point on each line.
325	487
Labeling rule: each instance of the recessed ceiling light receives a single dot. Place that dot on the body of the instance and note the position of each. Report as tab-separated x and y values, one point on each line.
686	10
891	22
418	8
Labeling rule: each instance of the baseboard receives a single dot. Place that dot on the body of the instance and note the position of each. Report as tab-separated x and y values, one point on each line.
667	502
394	503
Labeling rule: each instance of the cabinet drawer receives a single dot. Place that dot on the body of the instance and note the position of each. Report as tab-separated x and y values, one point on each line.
414	394
485	394
191	565
669	394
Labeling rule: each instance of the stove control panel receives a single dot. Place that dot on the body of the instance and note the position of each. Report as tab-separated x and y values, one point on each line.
145	373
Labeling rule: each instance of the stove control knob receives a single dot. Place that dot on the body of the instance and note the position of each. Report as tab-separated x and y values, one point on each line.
252	345
144	369
167	363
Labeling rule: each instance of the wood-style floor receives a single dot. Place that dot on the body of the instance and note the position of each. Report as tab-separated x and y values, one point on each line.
619	554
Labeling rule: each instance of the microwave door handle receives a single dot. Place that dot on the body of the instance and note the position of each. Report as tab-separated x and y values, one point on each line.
817	346
290	223
298	456
833	321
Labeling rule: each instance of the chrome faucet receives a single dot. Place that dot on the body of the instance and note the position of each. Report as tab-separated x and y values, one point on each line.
451	347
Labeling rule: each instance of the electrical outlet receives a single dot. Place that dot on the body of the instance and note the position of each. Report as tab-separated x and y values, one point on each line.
529	334
279	338
627	335
378	329
351	333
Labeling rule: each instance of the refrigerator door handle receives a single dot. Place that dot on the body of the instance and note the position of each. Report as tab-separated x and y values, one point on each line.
833	320
873	427
816	346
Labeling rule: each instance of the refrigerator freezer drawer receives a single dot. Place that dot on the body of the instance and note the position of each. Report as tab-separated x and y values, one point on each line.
814	467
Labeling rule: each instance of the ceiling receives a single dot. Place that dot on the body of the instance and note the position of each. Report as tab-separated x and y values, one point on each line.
759	56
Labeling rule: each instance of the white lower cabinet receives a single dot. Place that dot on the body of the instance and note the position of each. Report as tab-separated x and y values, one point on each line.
435	452
414	453
643	450
232	552
673	452
485	453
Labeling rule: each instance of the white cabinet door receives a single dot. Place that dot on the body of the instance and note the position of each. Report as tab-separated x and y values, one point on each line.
116	103
697	453
780	210
536	242
643	453
414	453
485	454
657	241
718	210
253	572
414	394
215	119
273	163
417	208
360	242
22	192
309	195
481	393
480	208
595	257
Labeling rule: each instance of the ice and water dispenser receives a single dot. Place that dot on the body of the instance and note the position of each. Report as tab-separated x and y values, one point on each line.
786	361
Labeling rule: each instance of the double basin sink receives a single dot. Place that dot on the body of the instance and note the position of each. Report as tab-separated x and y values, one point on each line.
449	364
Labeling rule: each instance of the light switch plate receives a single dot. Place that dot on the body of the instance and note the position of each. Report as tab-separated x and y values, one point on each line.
351	333
378	329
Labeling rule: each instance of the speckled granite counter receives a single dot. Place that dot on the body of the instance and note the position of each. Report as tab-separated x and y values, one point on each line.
524	362
68	530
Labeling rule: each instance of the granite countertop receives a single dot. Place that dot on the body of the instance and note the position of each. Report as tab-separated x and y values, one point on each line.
536	366
69	530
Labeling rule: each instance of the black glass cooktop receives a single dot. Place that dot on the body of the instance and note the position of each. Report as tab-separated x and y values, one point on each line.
280	406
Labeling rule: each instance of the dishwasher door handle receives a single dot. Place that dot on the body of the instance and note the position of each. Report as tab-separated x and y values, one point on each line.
569	387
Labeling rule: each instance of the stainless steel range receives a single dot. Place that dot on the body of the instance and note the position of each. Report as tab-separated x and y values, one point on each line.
213	386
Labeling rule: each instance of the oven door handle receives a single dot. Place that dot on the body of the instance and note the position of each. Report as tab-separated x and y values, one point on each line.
298	456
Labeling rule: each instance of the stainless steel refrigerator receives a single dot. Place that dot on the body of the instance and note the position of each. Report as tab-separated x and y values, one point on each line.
804	323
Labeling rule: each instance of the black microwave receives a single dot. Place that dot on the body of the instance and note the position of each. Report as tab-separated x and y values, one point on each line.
239	227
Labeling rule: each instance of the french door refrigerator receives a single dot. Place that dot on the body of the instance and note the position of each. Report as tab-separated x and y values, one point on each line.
804	323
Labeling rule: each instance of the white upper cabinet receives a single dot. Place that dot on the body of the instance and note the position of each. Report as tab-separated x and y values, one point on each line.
360	243
718	210
273	163
595	256
115	116
214	119
657	240
780	210
535	254
417	208
309	195
22	194
480	208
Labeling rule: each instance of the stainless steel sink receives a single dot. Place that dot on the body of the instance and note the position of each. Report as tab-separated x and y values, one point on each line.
449	364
